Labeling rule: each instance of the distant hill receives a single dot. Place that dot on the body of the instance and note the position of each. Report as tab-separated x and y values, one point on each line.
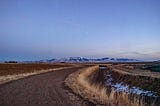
83	60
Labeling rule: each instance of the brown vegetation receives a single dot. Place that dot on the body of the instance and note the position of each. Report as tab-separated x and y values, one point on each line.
81	83
88	83
134	70
133	76
10	72
10	69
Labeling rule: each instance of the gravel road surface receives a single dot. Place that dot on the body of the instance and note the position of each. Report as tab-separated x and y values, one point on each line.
39	90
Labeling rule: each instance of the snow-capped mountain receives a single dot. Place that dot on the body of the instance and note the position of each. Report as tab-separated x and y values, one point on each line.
82	59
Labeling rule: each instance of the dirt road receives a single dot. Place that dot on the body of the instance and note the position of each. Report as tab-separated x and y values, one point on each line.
40	90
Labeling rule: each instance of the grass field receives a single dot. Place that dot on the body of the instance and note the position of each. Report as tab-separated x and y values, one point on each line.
152	67
18	68
150	70
88	84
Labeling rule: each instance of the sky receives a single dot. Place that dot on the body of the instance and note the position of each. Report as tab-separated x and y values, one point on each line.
45	29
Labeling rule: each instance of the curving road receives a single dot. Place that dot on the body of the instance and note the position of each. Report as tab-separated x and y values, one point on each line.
40	90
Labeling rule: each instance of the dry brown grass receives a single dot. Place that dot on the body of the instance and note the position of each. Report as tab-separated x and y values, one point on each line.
128	69
81	84
10	72
96	89
17	68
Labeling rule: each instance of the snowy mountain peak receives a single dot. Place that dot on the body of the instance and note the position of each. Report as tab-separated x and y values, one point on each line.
82	59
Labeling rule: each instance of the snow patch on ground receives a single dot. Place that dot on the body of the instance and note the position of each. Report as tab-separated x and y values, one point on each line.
119	87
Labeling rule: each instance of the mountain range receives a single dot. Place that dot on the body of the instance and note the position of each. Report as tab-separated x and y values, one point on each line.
83	60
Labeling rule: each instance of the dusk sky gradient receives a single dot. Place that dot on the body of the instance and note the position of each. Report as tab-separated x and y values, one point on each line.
45	29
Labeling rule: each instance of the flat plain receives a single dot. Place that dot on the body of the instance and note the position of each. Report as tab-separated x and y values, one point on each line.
74	84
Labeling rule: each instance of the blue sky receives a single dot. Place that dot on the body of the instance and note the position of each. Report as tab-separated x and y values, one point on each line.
42	29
